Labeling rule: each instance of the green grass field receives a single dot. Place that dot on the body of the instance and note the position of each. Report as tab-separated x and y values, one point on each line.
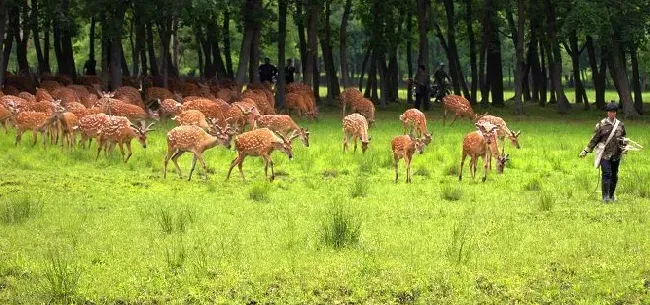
332	228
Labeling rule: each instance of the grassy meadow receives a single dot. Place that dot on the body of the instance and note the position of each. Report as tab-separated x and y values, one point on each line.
332	228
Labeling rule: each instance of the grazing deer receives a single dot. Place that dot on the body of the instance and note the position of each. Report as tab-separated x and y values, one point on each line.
113	106
365	108
415	119
260	142
130	95
90	127
28	97
459	106
502	130
195	140
285	125
120	130
43	95
296	102
169	107
260	100
355	126
481	143
241	114
347	96
66	123
193	118
404	147
157	93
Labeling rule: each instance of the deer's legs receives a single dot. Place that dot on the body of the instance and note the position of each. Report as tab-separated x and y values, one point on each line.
454	120
462	162
444	117
193	165
345	142
485	166
175	160
128	147
35	137
407	160
472	165
232	165
396	158
99	148
166	161
355	143
268	161
241	163
19	136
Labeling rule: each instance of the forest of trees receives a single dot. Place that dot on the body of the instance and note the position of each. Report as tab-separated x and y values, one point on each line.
536	47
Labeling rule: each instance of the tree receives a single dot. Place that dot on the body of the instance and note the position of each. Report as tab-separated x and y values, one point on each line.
282	30
250	23
345	74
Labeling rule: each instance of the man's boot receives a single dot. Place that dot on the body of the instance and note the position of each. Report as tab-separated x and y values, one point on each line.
605	189
612	188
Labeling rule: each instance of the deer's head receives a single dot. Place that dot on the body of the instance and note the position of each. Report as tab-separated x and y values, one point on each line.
364	145
304	136
224	135
419	144
141	132
514	138
501	162
427	138
285	145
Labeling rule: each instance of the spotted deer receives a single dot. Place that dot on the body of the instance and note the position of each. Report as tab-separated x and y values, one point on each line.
355	126
347	96
113	106
242	114
296	102
130	95
66	124
169	107
502	130
285	125
415	119
37	122
195	140
5	115
193	118
119	130
459	105
90	127
364	107
405	146
157	93
481	143
260	100
260	142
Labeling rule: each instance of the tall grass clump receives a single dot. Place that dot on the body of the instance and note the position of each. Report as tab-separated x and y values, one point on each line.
451	193
175	256
533	185
359	187
260	192
175	220
61	277
340	229
546	201
452	169
459	248
17	210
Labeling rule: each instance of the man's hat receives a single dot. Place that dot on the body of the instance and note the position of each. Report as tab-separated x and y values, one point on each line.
611	106
441	63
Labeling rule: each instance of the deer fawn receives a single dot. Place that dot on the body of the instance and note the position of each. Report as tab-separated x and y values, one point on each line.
502	130
364	107
347	96
481	143
242	113
260	142
120	130
415	119
404	147
459	106
193	139
355	126
285	125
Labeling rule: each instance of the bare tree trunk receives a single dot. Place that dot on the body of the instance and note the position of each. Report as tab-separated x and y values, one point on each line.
372	75
575	51
153	64
472	51
619	75
282	40
312	42
254	73
176	46
636	81
316	84
299	20
519	54
139	56
37	40
247	41
364	64
135	58
562	104
116	48
409	56
333	87
493	56
22	39
226	43
343	44
125	65
46	47
423	29
3	21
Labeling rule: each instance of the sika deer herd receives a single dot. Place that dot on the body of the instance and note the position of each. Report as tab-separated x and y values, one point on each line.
216	114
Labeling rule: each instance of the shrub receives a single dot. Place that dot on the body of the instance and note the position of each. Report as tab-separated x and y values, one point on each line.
451	193
17	210
260	192
340	229
61	277
533	185
359	187
546	201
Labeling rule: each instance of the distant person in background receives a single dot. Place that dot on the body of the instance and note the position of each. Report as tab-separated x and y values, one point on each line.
289	71
267	71
421	82
89	67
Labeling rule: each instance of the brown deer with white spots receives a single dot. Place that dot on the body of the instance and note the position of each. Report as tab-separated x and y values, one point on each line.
28	97
458	105
192	118
260	142
195	140
296	102
260	100
157	93
43	95
285	125
37	122
347	96
113	106
404	147
5	115
241	114
169	107
355	126
119	130
130	95
416	120
481	143
502	130
364	107
90	127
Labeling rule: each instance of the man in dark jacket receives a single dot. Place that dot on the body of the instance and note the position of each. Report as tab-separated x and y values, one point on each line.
611	152
421	82
289	71
267	71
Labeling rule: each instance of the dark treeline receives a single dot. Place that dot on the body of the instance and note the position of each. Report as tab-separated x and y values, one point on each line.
534	47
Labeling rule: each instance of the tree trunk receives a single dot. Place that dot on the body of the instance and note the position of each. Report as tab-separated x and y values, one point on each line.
636	81
37	40
116	48
423	29
619	75
364	64
299	20
409	59
176	44
153	64
312	43
519	55
125	65
562	104
46	47
574	51
139	47
22	39
164	31
345	76
135	58
217	61
333	87
493	56
452	51
250	8
66	47
393	76
372	75
483	81
383	76
3	19
282	40
316	84
472	51
253	73
226	43
58	53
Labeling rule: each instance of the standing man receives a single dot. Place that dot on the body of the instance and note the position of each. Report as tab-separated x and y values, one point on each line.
267	71
289	70
606	139
421	88
440	78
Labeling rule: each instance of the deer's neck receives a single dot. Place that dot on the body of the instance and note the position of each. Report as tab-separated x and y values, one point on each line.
210	142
